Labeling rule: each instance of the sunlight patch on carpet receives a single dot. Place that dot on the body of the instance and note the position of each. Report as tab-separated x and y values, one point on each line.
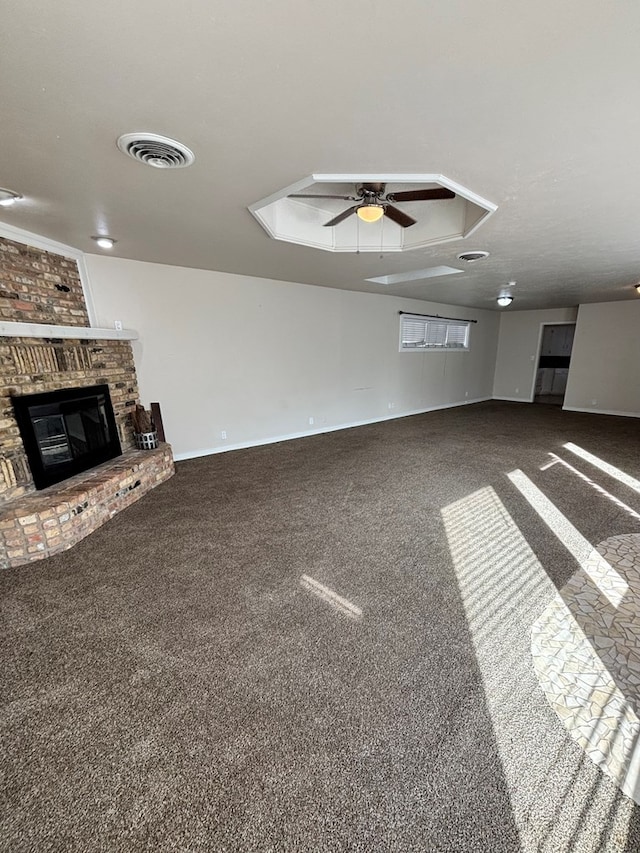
587	660
342	605
557	460
604	576
503	587
609	469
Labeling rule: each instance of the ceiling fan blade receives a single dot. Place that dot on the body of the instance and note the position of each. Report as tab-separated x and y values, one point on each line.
341	197
398	216
341	216
421	195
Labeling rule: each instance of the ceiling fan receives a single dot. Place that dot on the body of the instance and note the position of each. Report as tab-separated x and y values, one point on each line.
373	204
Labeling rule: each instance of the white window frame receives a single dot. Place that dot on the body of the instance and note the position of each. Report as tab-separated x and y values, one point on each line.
434	328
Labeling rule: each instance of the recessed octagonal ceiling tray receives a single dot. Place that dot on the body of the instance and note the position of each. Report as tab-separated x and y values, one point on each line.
410	211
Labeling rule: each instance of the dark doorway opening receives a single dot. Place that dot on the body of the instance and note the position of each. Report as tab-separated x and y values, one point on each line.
553	363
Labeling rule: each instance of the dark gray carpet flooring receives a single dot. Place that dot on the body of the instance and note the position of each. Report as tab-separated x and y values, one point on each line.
171	684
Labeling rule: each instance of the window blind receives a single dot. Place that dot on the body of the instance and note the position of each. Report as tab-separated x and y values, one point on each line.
429	333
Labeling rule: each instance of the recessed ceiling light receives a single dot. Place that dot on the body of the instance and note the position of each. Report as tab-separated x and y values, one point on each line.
8	197
474	255
105	242
504	300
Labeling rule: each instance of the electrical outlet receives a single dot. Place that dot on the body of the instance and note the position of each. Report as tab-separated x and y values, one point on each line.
466	393
593	402
392	405
517	390
223	434
118	325
310	421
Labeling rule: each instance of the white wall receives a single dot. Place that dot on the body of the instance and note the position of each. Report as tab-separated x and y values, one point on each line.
518	345
258	358
605	363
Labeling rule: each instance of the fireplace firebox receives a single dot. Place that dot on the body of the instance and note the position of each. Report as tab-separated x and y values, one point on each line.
66	432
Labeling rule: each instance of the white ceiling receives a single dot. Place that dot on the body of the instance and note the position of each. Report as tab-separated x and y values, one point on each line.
532	106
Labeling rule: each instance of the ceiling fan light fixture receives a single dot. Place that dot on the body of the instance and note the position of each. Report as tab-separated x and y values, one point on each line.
504	300
370	212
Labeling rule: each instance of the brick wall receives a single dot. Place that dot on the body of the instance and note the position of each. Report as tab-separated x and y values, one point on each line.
39	287
33	365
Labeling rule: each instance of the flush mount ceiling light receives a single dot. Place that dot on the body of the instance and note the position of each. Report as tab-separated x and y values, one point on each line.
8	197
473	255
161	152
105	242
504	300
370	212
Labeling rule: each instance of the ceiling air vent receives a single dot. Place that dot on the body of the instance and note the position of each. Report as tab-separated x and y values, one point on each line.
471	256
157	151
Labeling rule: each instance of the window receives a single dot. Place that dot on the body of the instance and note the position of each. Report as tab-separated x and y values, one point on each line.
432	333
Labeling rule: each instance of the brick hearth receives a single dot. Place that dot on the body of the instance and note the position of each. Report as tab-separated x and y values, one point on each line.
54	519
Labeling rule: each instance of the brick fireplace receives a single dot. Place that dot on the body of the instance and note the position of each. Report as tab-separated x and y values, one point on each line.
40	287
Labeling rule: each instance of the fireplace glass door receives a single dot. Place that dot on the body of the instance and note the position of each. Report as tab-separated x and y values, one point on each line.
52	439
66	432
